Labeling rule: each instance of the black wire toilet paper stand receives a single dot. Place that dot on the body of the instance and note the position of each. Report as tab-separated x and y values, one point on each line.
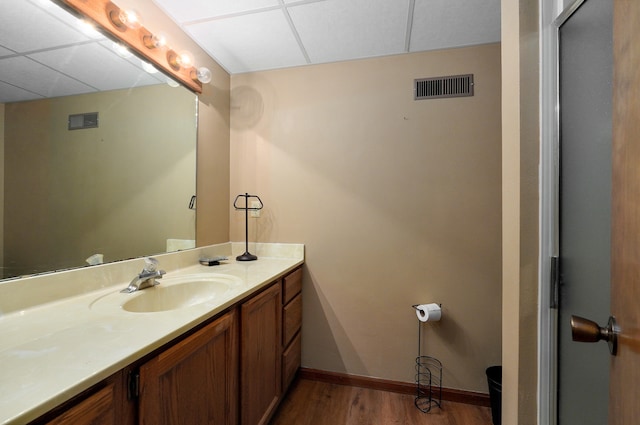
428	378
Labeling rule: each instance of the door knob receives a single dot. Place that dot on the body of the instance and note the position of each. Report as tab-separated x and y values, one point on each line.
584	330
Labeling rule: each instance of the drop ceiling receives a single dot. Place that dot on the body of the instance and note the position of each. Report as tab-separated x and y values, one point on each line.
44	53
253	35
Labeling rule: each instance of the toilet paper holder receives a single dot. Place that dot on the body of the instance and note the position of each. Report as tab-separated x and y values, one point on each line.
428	376
431	312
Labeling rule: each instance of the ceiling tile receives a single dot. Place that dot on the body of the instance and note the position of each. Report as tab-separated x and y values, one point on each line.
15	37
96	66
439	24
250	35
336	30
82	26
5	52
249	42
193	10
23	72
9	93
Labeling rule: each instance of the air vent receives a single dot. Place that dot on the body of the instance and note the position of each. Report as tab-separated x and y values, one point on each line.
80	121
441	87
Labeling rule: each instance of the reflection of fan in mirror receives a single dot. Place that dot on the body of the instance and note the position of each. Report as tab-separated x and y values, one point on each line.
246	107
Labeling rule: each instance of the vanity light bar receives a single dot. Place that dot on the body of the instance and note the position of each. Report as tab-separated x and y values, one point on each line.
109	18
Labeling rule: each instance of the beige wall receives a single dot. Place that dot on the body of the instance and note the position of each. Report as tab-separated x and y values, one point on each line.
212	214
212	220
120	189
397	202
520	157
2	185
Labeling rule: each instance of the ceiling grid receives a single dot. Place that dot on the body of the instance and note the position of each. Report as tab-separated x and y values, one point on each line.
241	35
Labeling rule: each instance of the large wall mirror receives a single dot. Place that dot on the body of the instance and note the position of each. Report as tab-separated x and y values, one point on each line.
98	154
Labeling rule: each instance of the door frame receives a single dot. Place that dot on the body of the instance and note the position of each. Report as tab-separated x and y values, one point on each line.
552	15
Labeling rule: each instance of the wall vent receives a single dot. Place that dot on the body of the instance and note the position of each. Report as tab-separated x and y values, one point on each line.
441	87
80	121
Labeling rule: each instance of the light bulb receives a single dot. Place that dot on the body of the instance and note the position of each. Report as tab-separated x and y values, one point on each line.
130	18
185	59
182	60
172	83
154	41
204	75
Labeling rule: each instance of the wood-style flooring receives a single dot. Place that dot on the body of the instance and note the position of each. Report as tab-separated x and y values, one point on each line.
318	403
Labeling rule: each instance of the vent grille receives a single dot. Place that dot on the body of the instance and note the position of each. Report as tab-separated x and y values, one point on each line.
80	121
442	87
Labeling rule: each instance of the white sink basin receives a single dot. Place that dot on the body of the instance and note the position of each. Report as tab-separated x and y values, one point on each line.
172	293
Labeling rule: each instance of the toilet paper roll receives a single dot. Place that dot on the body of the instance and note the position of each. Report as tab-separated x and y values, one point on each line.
428	312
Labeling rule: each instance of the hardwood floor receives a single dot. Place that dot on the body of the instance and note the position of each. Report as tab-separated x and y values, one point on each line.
318	403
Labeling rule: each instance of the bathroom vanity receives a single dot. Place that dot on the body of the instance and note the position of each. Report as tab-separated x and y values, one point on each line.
101	358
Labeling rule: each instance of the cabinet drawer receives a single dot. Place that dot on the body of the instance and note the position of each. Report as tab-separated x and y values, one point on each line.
292	319
291	361
292	285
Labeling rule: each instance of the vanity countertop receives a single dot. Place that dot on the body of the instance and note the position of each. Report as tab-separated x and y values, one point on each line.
53	351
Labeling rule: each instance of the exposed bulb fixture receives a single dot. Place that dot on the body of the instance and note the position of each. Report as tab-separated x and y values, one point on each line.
172	60
203	74
126	25
185	59
130	18
123	19
180	60
154	41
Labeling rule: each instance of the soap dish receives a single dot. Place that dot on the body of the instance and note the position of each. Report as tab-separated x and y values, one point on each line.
212	261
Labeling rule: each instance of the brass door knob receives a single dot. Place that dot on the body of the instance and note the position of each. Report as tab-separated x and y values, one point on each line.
585	330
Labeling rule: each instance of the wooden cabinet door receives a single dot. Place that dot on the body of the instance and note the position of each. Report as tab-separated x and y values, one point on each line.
194	381
261	350
108	405
97	409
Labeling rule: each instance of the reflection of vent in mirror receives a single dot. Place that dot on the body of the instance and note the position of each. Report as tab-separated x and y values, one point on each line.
441	87
80	121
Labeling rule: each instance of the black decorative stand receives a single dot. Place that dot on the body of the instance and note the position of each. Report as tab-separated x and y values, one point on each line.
247	256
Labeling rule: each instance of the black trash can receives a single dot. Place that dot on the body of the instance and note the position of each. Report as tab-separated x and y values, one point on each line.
494	378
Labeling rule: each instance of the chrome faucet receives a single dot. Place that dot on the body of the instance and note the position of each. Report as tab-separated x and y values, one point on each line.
146	278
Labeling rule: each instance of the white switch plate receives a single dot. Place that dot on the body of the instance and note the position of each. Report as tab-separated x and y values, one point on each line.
255	213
